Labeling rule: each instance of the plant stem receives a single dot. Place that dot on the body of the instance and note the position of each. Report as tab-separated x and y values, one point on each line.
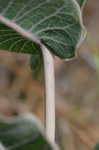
49	93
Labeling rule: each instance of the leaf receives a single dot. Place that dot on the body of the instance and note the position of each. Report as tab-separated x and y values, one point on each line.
36	64
96	147
81	2
25	25
23	134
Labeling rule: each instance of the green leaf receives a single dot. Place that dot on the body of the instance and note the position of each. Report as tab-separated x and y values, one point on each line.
26	24
36	64
96	147
23	134
81	2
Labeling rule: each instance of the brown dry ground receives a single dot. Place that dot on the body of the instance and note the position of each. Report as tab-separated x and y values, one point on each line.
77	96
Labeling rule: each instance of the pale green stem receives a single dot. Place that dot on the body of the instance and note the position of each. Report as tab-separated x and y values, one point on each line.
49	93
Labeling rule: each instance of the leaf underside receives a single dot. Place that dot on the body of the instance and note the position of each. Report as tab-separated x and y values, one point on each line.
55	23
22	134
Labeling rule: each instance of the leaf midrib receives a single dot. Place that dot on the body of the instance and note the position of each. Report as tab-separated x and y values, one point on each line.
19	30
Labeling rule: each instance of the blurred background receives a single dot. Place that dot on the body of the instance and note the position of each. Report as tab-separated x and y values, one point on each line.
77	89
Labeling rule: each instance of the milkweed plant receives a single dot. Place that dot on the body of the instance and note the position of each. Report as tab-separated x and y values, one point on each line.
45	29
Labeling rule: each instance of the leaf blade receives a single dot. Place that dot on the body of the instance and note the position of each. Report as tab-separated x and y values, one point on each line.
96	147
81	2
55	23
23	133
